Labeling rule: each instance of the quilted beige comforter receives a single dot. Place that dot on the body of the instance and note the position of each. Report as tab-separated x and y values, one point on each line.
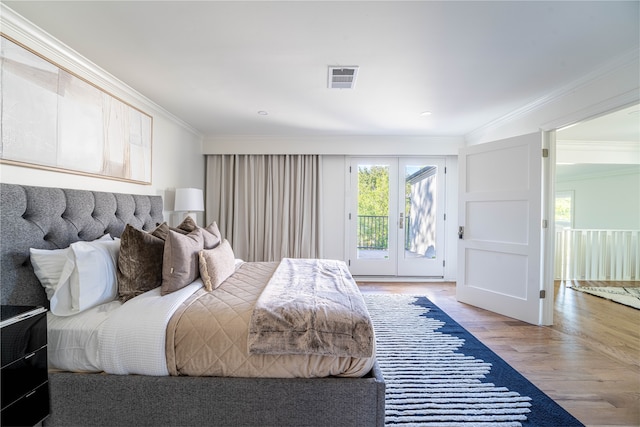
207	336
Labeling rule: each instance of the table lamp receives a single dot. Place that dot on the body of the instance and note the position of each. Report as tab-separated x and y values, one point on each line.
189	200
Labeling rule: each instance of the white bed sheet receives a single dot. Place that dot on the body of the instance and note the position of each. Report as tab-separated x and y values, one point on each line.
116	338
73	340
133	342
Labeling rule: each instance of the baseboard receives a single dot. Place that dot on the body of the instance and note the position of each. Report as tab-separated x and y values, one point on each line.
398	279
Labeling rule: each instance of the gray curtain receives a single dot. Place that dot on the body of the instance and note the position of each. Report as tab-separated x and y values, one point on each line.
267	206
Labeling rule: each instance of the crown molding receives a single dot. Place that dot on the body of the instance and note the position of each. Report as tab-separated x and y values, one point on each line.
599	152
617	146
620	171
24	32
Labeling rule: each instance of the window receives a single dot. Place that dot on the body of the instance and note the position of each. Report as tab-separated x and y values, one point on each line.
564	209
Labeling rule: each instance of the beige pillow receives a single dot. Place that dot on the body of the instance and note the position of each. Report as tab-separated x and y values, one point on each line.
139	262
180	260
212	236
216	265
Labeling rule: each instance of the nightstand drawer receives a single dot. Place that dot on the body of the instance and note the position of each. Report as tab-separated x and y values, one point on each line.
24	382
23	376
29	410
22	338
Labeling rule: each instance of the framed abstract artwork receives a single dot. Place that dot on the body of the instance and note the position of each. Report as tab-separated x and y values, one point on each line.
53	119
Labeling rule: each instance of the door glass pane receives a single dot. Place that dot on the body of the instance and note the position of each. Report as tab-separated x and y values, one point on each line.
420	211
373	211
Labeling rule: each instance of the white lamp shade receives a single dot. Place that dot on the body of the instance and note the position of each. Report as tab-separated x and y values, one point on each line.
189	200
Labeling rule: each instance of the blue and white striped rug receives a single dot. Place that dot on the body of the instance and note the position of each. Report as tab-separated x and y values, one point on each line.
438	374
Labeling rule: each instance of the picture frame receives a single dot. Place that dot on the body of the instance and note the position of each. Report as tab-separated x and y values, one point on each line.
55	120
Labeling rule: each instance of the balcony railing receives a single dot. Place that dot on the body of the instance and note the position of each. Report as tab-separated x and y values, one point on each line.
373	232
597	255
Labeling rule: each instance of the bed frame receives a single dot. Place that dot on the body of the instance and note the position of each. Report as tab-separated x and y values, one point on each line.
51	218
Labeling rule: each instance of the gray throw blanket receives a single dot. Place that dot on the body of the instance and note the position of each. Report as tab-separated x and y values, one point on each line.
311	306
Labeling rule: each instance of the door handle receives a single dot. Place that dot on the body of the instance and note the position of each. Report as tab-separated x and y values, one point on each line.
460	232
401	220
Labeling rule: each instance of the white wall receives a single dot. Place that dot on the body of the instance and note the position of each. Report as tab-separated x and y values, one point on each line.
334	202
177	159
606	201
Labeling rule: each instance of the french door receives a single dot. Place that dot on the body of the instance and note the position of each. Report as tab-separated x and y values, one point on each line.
396	216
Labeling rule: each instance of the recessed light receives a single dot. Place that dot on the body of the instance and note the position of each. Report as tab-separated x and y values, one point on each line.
263	113
425	113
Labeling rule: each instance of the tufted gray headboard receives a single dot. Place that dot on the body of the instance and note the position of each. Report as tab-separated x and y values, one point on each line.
53	218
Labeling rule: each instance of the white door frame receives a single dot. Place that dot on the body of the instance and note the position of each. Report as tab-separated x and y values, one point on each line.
548	234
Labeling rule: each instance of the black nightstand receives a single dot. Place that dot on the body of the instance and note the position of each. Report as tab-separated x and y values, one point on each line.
24	377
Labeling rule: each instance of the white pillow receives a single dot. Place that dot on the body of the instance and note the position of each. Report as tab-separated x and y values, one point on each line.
61	271
93	280
48	265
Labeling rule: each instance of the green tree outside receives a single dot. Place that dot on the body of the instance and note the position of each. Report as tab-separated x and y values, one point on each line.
373	200
373	190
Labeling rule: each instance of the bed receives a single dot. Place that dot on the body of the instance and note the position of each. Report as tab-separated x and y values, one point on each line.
50	218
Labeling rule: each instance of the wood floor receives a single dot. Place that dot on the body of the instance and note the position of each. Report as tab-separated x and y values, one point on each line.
588	361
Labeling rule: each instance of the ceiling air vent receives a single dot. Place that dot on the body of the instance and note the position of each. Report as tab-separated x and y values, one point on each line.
341	77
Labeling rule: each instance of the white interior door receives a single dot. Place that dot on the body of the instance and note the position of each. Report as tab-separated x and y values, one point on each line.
499	251
396	217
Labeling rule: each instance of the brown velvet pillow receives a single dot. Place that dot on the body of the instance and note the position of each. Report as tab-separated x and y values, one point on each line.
161	231
216	265
139	262
187	224
180	260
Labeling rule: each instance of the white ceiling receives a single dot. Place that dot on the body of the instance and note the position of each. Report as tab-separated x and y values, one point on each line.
216	64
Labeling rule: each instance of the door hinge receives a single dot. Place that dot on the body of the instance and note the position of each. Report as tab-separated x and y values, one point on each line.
543	294
349	216
545	223
443	263
445	170
349	263
445	217
545	153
